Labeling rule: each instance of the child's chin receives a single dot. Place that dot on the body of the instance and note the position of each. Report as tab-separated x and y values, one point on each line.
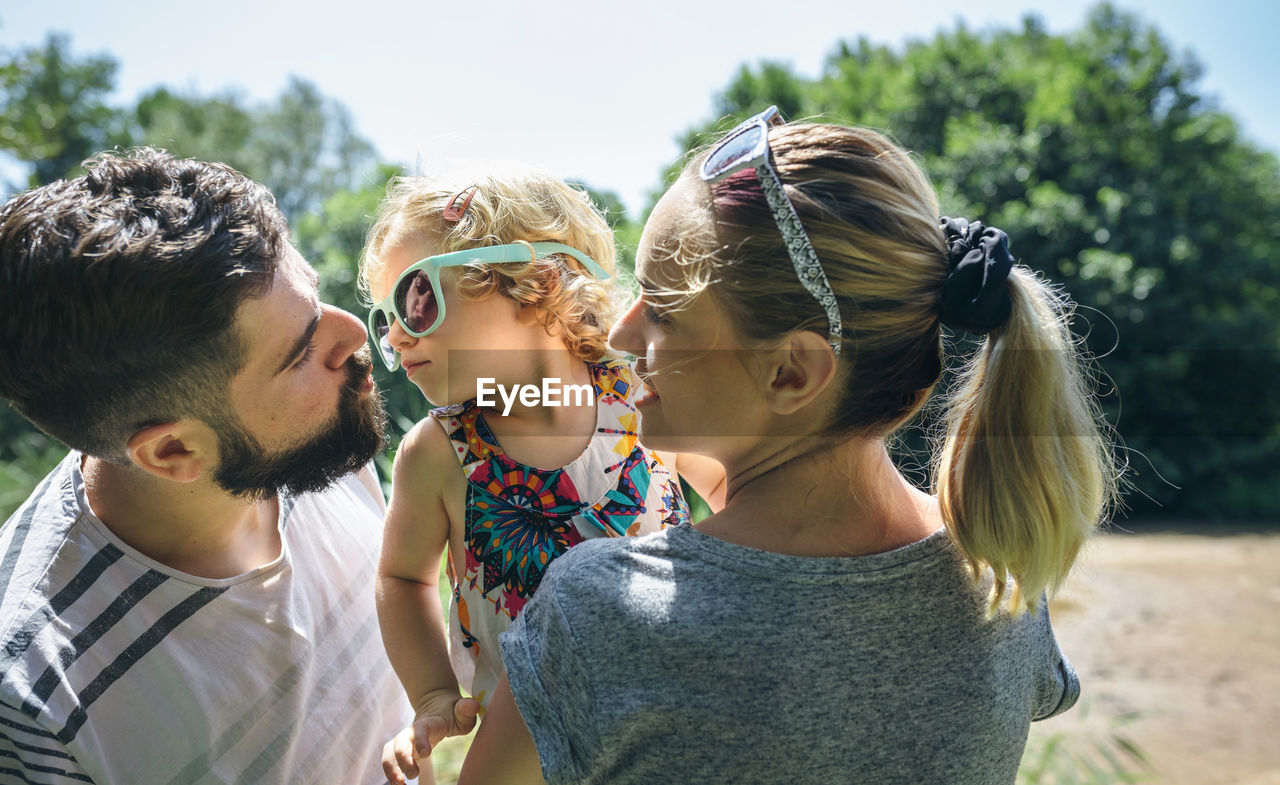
438	398
434	397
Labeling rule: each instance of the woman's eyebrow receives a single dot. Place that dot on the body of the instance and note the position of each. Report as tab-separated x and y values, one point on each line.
648	286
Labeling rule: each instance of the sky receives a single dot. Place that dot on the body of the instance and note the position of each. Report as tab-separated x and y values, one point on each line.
593	90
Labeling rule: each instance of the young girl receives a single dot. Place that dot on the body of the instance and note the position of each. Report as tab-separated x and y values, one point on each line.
832	623
496	299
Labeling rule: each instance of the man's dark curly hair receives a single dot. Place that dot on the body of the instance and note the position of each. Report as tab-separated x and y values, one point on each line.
119	290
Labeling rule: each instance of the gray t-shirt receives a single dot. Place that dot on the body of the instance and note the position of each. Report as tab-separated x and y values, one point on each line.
678	657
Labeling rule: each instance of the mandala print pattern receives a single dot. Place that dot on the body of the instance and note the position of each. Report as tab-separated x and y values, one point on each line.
616	514
469	434
675	509
518	519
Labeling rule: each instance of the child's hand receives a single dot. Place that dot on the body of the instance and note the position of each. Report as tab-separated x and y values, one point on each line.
399	762
439	717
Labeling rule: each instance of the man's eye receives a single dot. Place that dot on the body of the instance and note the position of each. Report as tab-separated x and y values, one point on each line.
306	356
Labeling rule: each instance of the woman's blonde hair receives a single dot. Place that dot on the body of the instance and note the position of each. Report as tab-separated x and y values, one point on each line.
514	204
1024	471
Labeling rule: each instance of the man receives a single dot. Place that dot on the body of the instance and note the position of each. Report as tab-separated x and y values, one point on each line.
188	597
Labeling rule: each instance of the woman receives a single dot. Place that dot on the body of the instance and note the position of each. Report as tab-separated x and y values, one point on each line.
832	623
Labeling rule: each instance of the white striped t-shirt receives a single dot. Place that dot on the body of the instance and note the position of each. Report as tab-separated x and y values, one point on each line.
117	669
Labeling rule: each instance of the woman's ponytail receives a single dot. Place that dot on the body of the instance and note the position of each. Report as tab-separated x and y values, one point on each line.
1024	474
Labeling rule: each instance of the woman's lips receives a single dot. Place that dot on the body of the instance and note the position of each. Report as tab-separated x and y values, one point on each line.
410	367
647	394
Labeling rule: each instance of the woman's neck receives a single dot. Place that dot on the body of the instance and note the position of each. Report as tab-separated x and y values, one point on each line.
809	498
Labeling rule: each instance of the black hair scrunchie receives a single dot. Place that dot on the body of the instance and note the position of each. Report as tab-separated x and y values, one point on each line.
975	296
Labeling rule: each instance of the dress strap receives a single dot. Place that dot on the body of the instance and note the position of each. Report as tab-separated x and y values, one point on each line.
473	442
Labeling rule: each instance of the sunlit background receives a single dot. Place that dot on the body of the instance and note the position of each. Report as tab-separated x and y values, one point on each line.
597	91
1128	149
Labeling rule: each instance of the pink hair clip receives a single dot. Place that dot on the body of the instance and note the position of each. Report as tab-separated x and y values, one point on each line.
458	204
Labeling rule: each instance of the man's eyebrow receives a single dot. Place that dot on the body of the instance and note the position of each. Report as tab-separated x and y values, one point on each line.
300	345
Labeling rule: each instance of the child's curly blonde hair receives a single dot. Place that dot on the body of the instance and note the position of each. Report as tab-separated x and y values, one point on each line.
512	205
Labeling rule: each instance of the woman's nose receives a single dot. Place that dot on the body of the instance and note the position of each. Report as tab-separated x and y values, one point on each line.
624	336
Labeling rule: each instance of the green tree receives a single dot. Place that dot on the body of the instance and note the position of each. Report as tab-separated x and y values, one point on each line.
302	145
1113	174
305	147
53	110
213	128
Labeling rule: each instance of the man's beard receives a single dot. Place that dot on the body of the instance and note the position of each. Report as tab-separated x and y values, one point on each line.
359	433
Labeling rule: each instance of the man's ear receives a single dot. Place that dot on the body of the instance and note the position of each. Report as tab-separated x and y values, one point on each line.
177	451
802	368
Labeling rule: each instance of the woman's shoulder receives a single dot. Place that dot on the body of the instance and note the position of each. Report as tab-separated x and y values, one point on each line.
603	561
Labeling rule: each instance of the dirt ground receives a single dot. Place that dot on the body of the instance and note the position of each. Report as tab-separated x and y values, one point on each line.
1182	628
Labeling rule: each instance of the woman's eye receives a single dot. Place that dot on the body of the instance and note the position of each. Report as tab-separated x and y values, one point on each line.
652	316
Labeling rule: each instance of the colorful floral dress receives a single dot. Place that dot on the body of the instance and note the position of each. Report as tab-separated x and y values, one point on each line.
519	518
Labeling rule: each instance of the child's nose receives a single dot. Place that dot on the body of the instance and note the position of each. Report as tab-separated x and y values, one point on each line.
397	336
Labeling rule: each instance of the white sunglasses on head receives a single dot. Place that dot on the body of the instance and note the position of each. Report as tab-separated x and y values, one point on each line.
747	146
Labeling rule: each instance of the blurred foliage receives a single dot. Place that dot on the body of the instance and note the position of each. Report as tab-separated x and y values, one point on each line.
302	145
1085	757
1094	150
53	111
1114	176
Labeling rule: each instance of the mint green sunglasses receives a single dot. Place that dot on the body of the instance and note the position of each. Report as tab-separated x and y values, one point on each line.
416	300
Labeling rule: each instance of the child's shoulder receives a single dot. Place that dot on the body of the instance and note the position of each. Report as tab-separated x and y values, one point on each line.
426	454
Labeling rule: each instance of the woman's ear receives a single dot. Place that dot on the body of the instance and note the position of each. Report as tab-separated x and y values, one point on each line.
802	369
177	451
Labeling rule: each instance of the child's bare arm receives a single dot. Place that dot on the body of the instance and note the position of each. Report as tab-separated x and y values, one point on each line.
409	610
705	475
